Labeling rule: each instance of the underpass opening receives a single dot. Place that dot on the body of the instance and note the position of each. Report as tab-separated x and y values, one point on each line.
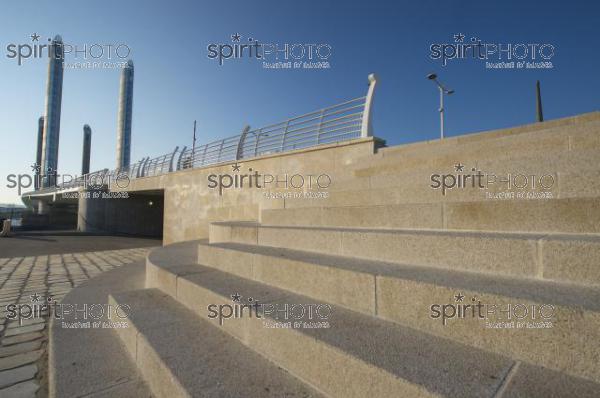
138	213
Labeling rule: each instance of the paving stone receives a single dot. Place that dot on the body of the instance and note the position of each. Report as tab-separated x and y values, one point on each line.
49	275
20	360
20	348
21	338
9	292
26	389
16	375
24	329
26	322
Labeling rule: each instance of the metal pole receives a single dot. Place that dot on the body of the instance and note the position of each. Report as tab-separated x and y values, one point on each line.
194	144
441	113
443	90
538	102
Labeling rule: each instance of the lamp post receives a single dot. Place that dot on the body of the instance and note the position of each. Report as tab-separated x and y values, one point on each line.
443	90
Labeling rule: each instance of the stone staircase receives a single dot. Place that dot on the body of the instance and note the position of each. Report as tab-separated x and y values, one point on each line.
387	288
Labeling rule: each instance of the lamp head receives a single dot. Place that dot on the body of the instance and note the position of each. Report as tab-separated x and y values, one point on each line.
432	76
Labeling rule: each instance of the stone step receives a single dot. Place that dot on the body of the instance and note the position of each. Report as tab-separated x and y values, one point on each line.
575	172
565	175
576	133
563	257
573	164
546	162
405	294
182	355
496	157
422	193
549	140
415	170
420	188
357	355
577	215
91	361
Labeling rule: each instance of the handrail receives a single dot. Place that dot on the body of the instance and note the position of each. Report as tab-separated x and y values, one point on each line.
344	121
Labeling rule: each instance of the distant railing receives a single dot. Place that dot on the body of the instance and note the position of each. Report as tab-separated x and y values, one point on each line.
342	122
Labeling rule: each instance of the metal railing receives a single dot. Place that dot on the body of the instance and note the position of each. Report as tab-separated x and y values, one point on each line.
341	122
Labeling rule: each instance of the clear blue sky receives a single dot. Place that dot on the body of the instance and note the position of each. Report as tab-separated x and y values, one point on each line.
176	83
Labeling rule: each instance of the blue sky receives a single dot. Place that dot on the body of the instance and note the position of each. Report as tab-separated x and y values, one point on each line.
175	82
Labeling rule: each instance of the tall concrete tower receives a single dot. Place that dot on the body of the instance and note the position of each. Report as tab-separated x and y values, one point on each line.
38	155
53	105
124	118
87	144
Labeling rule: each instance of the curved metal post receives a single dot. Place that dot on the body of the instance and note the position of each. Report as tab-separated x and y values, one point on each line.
172	158
320	126
145	168
178	167
367	124
204	154
220	150
287	125
141	170
240	148
257	139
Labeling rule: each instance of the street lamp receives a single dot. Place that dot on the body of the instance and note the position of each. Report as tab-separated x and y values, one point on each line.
443	90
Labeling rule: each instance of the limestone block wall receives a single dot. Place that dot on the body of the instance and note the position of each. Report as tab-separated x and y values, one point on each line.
190	205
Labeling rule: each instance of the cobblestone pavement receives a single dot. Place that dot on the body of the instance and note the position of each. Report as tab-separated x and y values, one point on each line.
35	280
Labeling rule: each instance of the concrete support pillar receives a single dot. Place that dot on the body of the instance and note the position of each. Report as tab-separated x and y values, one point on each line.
42	207
38	157
5	228
86	151
91	214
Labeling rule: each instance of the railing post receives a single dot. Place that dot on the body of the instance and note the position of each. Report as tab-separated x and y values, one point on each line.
320	126
240	148
147	164
172	158
220	150
256	142
178	167
287	124
204	154
104	174
143	167
367	124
